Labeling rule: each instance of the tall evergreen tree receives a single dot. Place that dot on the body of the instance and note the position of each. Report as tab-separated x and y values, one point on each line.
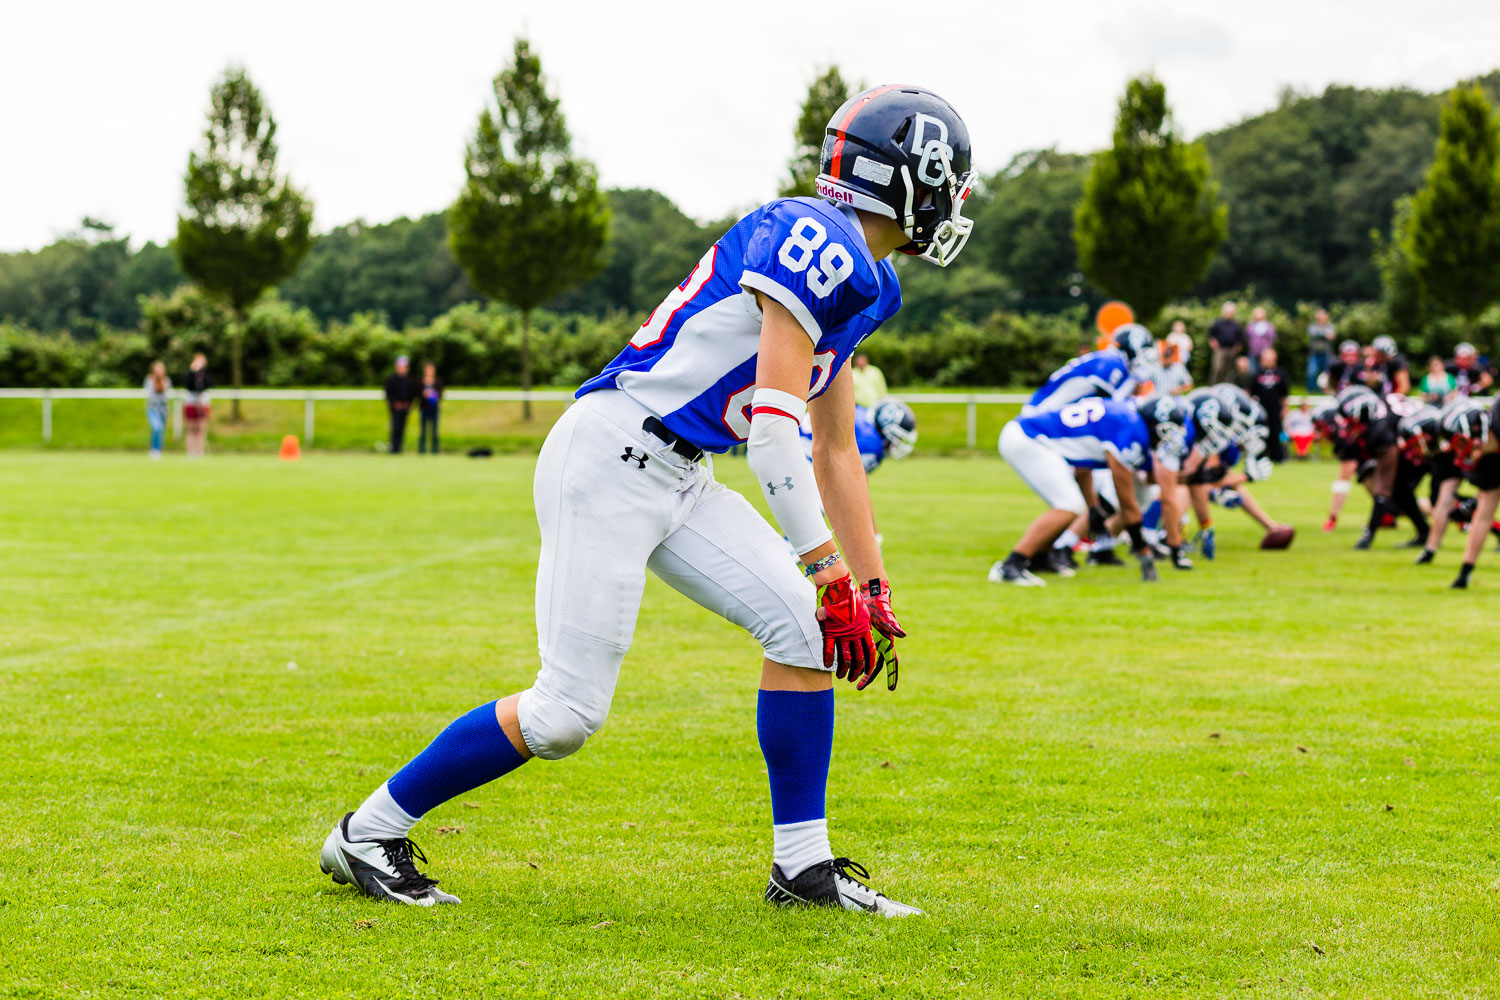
1150	219
826	95
1453	240
530	222
245	228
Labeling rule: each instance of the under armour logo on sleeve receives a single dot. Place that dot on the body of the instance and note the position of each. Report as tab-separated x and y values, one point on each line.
630	455
773	487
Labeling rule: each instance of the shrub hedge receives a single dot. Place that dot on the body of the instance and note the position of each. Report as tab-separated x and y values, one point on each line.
480	346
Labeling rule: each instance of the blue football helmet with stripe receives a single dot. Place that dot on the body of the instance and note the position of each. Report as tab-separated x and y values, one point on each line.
902	152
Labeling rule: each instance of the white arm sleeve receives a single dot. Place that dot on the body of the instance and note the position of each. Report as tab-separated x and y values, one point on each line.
786	477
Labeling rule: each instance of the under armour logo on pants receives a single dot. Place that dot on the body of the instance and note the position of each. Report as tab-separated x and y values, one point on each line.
772	487
630	455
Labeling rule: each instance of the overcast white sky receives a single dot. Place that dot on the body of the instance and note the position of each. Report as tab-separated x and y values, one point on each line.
100	102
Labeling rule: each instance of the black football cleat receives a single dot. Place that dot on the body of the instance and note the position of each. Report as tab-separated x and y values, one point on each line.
832	883
1365	540
1015	573
1104	557
381	868
1426	557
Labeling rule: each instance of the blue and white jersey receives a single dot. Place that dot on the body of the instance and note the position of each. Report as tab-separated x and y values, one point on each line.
1103	373
1088	431
866	436
693	361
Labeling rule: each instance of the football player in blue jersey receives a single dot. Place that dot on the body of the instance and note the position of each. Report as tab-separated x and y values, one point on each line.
888	431
1116	372
1045	449
757	335
1231	426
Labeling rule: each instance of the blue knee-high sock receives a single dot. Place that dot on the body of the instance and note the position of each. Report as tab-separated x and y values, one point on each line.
472	751
796	737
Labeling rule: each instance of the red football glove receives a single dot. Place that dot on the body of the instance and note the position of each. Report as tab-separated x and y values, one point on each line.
877	597
845	622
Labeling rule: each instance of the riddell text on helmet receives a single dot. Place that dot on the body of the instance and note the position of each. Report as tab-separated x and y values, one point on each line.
826	190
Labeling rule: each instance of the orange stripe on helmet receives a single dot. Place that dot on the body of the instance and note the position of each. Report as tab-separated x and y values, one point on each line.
838	145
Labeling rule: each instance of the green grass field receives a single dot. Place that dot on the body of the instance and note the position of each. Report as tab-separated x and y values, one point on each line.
1273	776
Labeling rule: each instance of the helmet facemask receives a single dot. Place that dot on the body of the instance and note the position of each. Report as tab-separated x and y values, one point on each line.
938	208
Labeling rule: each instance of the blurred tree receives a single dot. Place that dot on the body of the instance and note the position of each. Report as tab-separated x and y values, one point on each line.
530	221
826	95
1453	241
652	246
1023	226
1150	219
1402	298
402	269
245	228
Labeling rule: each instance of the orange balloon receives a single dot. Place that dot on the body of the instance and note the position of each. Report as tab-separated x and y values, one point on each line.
1112	316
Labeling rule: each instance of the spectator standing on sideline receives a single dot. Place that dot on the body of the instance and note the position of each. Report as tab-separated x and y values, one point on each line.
869	382
195	405
1259	336
432	396
1227	339
1243	376
400	391
1437	384
158	397
1320	334
1299	427
1470	377
1175	351
1270	389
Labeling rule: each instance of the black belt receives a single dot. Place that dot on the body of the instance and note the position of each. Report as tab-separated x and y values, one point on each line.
680	444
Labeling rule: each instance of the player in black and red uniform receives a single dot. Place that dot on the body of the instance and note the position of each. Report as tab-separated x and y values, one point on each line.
1471	377
1328	425
1369	428
1345	370
1422	434
1386	370
1476	451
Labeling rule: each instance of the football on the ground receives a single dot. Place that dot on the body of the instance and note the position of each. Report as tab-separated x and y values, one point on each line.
1279	537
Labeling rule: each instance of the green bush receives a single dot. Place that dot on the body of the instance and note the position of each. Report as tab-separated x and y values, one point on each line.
479	345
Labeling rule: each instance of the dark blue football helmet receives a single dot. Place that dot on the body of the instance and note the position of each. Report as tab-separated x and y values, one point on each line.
902	152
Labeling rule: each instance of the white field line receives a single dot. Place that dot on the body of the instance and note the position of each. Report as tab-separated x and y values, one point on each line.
248	609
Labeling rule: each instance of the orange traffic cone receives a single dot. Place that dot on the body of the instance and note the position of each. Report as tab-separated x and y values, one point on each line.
291	449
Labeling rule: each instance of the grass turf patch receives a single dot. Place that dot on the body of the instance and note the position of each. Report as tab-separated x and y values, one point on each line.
1274	775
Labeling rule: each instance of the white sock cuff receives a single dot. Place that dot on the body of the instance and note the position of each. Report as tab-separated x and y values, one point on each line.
798	846
380	818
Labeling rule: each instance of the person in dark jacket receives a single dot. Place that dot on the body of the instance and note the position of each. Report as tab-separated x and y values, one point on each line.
401	390
1270	389
432	397
1226	337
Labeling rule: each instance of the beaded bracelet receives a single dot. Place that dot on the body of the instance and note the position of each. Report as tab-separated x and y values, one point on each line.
827	562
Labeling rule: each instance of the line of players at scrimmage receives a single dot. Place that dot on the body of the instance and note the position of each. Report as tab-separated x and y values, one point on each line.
1117	461
1113	459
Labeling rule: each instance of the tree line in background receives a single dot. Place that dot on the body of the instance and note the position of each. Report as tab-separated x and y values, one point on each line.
1331	198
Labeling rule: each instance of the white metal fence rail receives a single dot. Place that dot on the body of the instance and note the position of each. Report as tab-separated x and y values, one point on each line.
971	401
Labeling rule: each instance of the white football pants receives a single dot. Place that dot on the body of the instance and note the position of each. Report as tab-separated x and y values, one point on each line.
1047	473
613	500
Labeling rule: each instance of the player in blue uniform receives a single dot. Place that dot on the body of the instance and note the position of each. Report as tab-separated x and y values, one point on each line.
889	430
756	336
1116	372
1231	426
1046	448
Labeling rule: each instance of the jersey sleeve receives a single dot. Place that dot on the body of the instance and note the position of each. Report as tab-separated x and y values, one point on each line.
802	259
